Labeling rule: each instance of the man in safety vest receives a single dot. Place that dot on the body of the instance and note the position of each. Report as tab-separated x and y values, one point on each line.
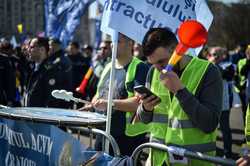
245	160
186	111
129	72
243	80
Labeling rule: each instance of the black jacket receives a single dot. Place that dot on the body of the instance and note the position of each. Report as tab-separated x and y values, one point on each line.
7	81
53	73
80	66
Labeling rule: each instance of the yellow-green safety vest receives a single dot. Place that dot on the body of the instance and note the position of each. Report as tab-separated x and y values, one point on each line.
179	130
138	127
158	126
131	129
240	65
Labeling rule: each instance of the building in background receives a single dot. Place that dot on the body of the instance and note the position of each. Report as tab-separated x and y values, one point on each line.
29	13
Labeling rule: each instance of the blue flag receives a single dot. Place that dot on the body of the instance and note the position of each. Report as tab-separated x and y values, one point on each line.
63	16
98	33
28	143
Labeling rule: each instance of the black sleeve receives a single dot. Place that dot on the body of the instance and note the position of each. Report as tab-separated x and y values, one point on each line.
228	73
140	77
141	74
10	82
62	75
144	116
204	108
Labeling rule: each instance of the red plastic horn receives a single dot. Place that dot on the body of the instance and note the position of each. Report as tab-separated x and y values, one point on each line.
82	88
192	34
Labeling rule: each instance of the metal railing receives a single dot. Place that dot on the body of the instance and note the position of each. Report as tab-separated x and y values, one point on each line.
111	140
182	152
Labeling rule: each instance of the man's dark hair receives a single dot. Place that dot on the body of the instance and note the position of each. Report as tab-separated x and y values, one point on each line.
75	44
88	47
55	40
43	42
157	37
6	47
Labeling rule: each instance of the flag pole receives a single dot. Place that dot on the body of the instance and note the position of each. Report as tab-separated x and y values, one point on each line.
111	85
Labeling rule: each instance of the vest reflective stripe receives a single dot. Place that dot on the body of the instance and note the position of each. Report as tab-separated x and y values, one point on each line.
138	127
204	148
160	118
158	140
208	147
182	124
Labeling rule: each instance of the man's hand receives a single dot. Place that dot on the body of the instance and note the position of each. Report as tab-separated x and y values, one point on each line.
100	104
171	81
87	107
243	161
150	102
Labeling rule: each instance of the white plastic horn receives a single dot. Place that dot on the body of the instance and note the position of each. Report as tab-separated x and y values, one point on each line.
67	96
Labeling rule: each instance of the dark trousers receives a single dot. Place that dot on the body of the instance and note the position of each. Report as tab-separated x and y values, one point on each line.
244	102
226	133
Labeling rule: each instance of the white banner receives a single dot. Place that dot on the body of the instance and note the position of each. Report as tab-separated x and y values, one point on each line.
135	17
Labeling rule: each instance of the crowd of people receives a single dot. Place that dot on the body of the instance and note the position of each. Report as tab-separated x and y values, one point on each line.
188	105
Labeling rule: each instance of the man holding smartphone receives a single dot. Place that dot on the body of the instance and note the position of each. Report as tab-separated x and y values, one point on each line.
129	72
186	111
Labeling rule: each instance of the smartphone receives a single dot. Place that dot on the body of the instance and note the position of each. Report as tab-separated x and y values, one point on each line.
143	90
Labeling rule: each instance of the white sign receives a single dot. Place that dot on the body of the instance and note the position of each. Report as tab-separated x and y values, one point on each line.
135	17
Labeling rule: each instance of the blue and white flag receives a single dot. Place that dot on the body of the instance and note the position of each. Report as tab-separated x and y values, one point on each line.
63	16
28	143
13	41
135	17
98	33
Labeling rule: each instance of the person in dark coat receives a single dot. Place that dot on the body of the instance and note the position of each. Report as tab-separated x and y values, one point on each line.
7	79
51	72
80	64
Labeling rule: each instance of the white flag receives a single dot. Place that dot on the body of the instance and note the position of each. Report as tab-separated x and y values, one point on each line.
134	18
